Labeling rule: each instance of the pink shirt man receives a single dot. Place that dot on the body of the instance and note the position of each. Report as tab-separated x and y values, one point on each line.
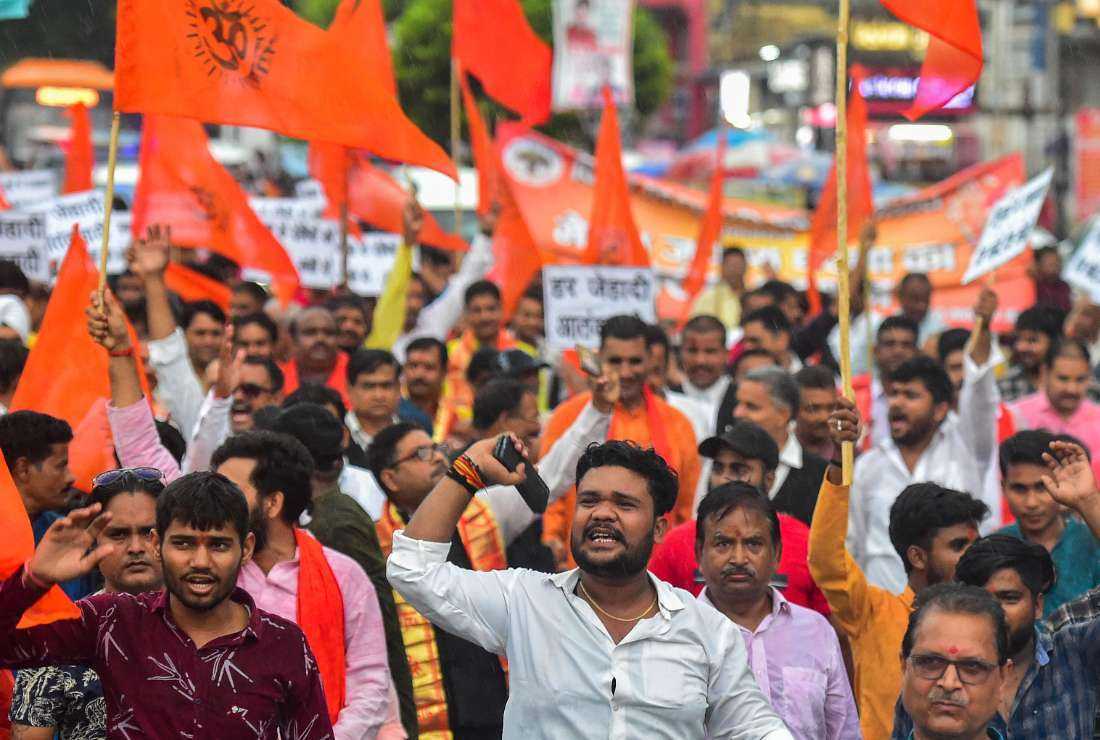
1036	412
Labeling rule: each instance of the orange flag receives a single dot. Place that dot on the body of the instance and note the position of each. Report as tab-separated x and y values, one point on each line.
72	390
517	258
953	61
482	144
80	158
709	230
373	195
494	42
183	186
258	64
823	238
192	285
17	547
612	235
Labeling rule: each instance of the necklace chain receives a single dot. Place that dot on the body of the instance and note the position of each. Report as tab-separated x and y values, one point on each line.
608	614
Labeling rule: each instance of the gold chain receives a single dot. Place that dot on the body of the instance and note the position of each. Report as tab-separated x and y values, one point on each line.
609	615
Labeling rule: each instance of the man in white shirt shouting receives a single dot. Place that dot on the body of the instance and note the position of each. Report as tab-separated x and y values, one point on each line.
601	651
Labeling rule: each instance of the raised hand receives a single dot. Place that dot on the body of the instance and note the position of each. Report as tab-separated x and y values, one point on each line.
148	257
412	221
605	391
1071	482
229	366
487	221
986	306
68	549
107	322
844	422
492	472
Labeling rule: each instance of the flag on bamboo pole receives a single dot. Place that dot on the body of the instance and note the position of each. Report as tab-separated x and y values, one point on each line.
494	42
709	230
183	186
612	234
485	158
257	63
823	237
953	61
79	159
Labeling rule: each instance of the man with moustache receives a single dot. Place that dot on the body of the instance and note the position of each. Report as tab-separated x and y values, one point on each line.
703	356
793	651
605	649
423	374
67	701
173	663
317	357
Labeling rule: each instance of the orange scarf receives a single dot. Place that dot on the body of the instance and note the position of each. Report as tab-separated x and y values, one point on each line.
321	620
337	379
657	433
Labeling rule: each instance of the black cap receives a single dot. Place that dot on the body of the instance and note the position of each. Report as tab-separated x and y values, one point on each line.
317	429
746	439
515	362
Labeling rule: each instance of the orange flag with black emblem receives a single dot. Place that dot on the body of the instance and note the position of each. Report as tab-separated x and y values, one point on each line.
612	234
257	63
183	186
79	159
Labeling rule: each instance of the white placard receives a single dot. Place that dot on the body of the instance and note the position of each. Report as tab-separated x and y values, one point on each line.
27	188
23	241
1083	269
61	214
579	298
314	247
593	48
286	209
1009	226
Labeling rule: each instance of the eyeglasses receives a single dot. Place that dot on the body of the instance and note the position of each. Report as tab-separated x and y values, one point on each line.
932	667
423	454
251	390
147	475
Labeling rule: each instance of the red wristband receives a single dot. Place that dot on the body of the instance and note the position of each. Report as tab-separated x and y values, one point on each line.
30	577
128	352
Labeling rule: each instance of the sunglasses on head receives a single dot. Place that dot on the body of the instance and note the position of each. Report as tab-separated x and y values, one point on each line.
110	477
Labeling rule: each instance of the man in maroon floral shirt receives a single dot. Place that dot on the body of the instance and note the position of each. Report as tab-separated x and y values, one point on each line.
197	660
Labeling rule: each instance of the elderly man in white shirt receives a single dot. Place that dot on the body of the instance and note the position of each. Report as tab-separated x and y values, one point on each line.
602	651
928	443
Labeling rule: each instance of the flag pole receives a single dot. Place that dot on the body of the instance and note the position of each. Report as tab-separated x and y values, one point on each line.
842	267
456	138
108	204
344	257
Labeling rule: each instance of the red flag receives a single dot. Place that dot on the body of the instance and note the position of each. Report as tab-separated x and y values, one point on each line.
258	64
494	42
482	145
79	159
953	61
183	186
191	285
709	230
823	237
612	236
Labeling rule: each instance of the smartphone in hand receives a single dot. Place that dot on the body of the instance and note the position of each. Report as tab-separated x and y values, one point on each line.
533	490
590	361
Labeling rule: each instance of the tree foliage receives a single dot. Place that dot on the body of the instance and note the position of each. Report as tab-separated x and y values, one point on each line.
61	29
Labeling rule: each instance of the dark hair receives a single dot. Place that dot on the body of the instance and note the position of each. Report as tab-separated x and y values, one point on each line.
13	358
778	290
319	394
500	396
366	361
1025	448
204	501
952	340
30	434
13	279
771	318
425	344
172	440
782	388
655	336
623	327
931	375
347	301
705	324
261	320
923	509
272	368
480	288
194	308
283	464
817	377
534	291
1043	319
255	291
957	598
729	497
382	451
899	322
266	418
749	354
910	277
1066	347
998	551
127	483
663	483
728	251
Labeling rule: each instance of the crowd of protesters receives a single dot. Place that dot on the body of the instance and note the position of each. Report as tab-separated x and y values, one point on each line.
308	534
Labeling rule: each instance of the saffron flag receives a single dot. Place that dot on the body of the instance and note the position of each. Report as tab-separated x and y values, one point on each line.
191	285
258	64
823	236
183	186
953	61
494	42
79	159
709	230
612	235
517	259
482	145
